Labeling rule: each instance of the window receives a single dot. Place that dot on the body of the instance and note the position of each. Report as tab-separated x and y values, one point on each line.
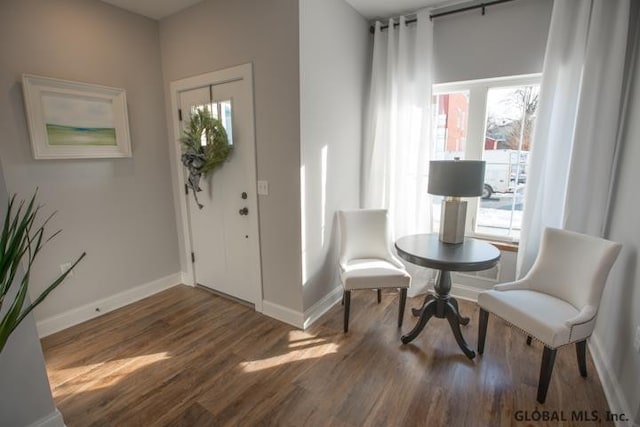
490	120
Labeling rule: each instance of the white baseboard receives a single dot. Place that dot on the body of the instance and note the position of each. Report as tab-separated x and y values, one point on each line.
98	308
283	314
185	278
54	419
321	307
468	293
465	292
421	289
612	389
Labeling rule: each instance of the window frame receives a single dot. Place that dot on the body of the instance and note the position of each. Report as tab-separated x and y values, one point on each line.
476	130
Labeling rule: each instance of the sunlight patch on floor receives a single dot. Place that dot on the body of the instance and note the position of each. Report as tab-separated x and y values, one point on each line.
112	372
302	346
303	343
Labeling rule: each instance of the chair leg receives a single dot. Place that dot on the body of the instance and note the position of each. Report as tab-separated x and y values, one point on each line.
528	339
379	296
403	302
548	358
342	302
482	329
347	306
581	352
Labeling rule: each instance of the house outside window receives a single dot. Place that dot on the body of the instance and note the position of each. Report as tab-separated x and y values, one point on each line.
492	120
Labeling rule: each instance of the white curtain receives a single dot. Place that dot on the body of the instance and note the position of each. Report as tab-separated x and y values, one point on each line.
398	127
573	157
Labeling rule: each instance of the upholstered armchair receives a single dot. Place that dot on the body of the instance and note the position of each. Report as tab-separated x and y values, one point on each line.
366	261
557	301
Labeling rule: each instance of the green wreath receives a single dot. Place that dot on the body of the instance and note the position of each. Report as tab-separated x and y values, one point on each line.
205	146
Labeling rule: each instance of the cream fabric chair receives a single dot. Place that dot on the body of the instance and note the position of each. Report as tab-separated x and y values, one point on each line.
366	261
557	301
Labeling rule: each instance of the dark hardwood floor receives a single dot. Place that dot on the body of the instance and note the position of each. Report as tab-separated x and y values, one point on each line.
185	357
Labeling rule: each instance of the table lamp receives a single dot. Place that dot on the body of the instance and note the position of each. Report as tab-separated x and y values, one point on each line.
455	179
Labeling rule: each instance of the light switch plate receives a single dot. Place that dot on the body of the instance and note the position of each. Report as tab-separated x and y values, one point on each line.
263	188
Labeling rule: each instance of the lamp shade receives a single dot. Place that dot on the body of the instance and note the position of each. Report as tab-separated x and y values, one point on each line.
456	178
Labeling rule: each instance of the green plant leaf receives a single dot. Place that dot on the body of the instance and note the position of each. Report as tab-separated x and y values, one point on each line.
20	243
47	291
5	225
9	321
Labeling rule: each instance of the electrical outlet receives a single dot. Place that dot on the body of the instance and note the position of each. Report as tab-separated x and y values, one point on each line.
64	267
636	341
263	188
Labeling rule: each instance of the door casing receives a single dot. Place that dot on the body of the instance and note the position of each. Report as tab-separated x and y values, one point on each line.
242	72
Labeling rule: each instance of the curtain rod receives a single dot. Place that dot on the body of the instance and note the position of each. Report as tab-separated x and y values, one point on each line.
482	6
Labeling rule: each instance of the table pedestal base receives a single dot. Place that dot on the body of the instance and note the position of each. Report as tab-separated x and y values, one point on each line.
441	305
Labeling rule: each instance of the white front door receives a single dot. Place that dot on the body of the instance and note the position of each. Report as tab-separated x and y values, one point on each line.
224	233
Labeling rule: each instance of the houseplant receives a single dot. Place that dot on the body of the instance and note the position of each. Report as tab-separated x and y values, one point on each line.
205	146
20	242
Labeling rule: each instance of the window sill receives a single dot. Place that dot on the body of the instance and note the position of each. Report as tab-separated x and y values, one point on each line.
503	246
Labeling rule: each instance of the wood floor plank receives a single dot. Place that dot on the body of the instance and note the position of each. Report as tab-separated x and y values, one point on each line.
194	416
186	357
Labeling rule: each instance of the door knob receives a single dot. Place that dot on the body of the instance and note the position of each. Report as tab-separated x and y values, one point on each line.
244	211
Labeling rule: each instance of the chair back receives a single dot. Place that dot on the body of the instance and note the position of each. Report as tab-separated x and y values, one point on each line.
363	234
573	266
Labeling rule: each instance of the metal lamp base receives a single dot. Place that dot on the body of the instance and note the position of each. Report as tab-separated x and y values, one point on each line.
452	222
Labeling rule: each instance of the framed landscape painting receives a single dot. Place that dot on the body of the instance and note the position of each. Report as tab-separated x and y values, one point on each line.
70	120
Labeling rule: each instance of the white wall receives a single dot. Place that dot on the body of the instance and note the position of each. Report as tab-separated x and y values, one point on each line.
509	39
619	314
24	386
334	45
120	211
217	34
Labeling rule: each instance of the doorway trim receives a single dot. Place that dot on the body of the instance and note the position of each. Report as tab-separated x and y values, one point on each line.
244	73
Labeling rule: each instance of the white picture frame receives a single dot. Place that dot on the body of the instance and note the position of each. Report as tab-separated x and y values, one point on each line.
72	120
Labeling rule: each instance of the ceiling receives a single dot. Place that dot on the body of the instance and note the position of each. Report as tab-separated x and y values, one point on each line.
373	9
155	9
370	9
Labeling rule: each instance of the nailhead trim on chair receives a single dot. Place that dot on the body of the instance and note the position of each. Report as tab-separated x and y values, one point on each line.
511	325
522	330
